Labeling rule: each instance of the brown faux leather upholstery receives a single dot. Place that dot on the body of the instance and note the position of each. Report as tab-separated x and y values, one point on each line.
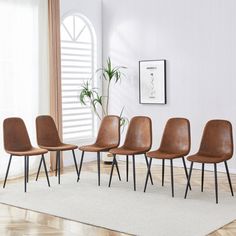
175	143
108	135
138	138
216	146
217	143
175	140
48	138
47	135
16	138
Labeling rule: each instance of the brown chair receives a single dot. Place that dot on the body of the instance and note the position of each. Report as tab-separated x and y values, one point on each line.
175	144
48	138
216	146
108	137
17	143
138	141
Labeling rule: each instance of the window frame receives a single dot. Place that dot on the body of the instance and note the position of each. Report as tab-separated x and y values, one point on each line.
94	61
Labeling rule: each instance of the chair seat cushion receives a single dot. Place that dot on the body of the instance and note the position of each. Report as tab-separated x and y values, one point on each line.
32	152
126	151
61	147
206	159
95	148
164	155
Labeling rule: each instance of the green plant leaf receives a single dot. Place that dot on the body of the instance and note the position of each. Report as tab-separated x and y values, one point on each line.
89	95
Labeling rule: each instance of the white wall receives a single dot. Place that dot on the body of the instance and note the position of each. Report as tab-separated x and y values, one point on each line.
92	9
196	37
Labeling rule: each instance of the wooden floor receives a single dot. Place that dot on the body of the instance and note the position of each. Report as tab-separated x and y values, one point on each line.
16	221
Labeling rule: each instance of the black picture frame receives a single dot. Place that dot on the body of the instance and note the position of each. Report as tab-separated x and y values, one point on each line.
143	99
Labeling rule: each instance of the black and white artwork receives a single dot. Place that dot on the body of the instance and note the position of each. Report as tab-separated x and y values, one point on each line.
152	81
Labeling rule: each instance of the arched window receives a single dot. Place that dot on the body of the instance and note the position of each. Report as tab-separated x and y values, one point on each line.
78	62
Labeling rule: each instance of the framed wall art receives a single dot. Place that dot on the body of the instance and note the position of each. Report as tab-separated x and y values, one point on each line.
152	82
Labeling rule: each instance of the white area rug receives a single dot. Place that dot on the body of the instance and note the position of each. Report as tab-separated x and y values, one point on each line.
120	208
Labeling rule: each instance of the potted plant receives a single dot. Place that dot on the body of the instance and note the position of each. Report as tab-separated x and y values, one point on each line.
99	103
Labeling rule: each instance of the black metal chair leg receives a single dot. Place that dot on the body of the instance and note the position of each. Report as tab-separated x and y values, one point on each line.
98	162
76	166
8	167
186	172
163	171
59	167
150	174
27	158
229	180
172	177
25	174
127	168
81	163
134	176
117	168
216	184
45	169
148	171
112	168
202	184
189	177
56	170
40	163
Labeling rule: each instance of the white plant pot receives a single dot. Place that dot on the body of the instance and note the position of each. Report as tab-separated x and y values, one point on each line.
107	157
